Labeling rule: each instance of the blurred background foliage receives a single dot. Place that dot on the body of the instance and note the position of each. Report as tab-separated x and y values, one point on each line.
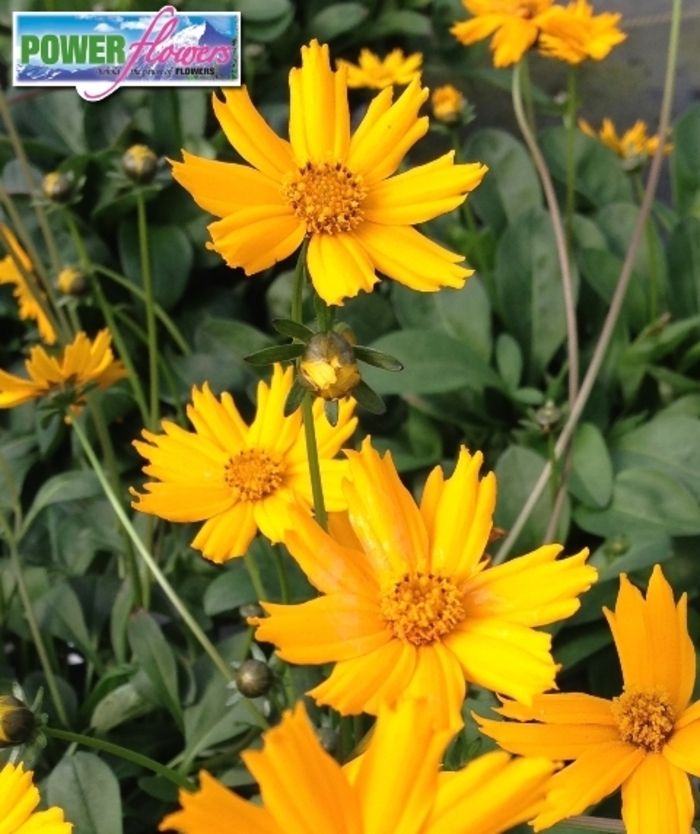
485	366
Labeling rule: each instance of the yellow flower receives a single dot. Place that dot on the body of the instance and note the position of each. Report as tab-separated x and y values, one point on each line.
514	22
29	308
238	478
447	103
394	788
377	74
573	33
328	367
410	606
634	146
18	799
82	362
329	186
645	740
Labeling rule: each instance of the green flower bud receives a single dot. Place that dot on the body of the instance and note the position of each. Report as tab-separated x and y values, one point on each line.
254	678
17	721
57	186
139	163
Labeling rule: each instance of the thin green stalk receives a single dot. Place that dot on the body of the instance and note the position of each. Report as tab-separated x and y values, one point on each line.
160	578
619	294
150	312
281	575
255	577
168	323
33	624
571	108
307	412
523	67
653	253
123	753
298	286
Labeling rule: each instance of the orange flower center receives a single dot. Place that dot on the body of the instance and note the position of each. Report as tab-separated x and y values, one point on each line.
326	196
527	9
253	474
422	608
645	718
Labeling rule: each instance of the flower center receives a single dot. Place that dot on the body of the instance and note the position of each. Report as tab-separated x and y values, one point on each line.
253	474
326	196
422	608
645	718
526	9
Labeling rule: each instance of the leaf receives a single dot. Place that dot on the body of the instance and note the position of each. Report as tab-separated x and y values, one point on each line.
257	12
433	363
275	353
88	791
59	612
336	19
293	330
122	704
592	472
685	162
68	486
377	359
599	174
528	286
669	444
601	269
684	267
644	501
401	22
157	661
517	470
511	185
509	360
229	590
417	444
17	454
170	255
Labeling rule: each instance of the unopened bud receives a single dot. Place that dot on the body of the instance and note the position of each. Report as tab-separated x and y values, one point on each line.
139	163
57	186
254	678
447	103
548	416
328	367
17	721
71	281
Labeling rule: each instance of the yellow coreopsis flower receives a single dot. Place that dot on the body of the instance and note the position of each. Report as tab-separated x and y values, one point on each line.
394	788
82	363
634	146
334	188
373	72
646	740
447	103
410	605
573	33
238	478
514	22
18	799
10	273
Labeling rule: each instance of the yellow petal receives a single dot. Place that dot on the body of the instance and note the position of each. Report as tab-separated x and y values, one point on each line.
683	748
270	430
561	708
251	136
18	797
468	32
228	534
182	503
512	41
217	420
339	267
404	254
596	774
438	680
657	797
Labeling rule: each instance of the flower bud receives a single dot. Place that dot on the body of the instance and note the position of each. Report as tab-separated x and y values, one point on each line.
250	609
17	721
328	367
57	186
71	281
139	163
254	678
447	103
548	416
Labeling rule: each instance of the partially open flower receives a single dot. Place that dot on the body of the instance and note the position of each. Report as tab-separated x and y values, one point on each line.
328	366
57	186
71	281
447	103
139	163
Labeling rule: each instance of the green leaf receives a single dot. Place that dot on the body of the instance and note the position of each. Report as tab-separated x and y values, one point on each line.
684	267
517	470
170	254
644	501
229	590
599	174
592	472
401	22
57	121
59	612
377	359
123	703
257	12
601	269
528	285
331	410
88	791
433	363
17	454
276	353
157	660
293	330
336	19
509	360
417	443
68	486
669	444
294	398
464	314
685	162
368	399
644	551
511	185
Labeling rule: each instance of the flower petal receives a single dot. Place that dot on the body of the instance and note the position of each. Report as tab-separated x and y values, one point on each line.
683	748
339	267
410	258
217	420
228	534
562	708
657	797
477	29
439	681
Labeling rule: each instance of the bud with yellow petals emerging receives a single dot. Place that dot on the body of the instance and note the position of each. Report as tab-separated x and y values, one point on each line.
71	281
139	163
17	722
328	367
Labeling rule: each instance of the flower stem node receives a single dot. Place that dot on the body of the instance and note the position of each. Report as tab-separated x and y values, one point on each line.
139	163
254	678
328	367
58	187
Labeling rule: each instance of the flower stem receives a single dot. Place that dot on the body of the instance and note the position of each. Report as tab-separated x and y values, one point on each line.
619	294
33	624
150	311
123	753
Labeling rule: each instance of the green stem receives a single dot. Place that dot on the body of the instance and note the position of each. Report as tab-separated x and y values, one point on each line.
571	108
33	624
150	311
160	578
618	296
653	255
122	753
168	323
281	575
523	67
298	286
307	413
254	575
